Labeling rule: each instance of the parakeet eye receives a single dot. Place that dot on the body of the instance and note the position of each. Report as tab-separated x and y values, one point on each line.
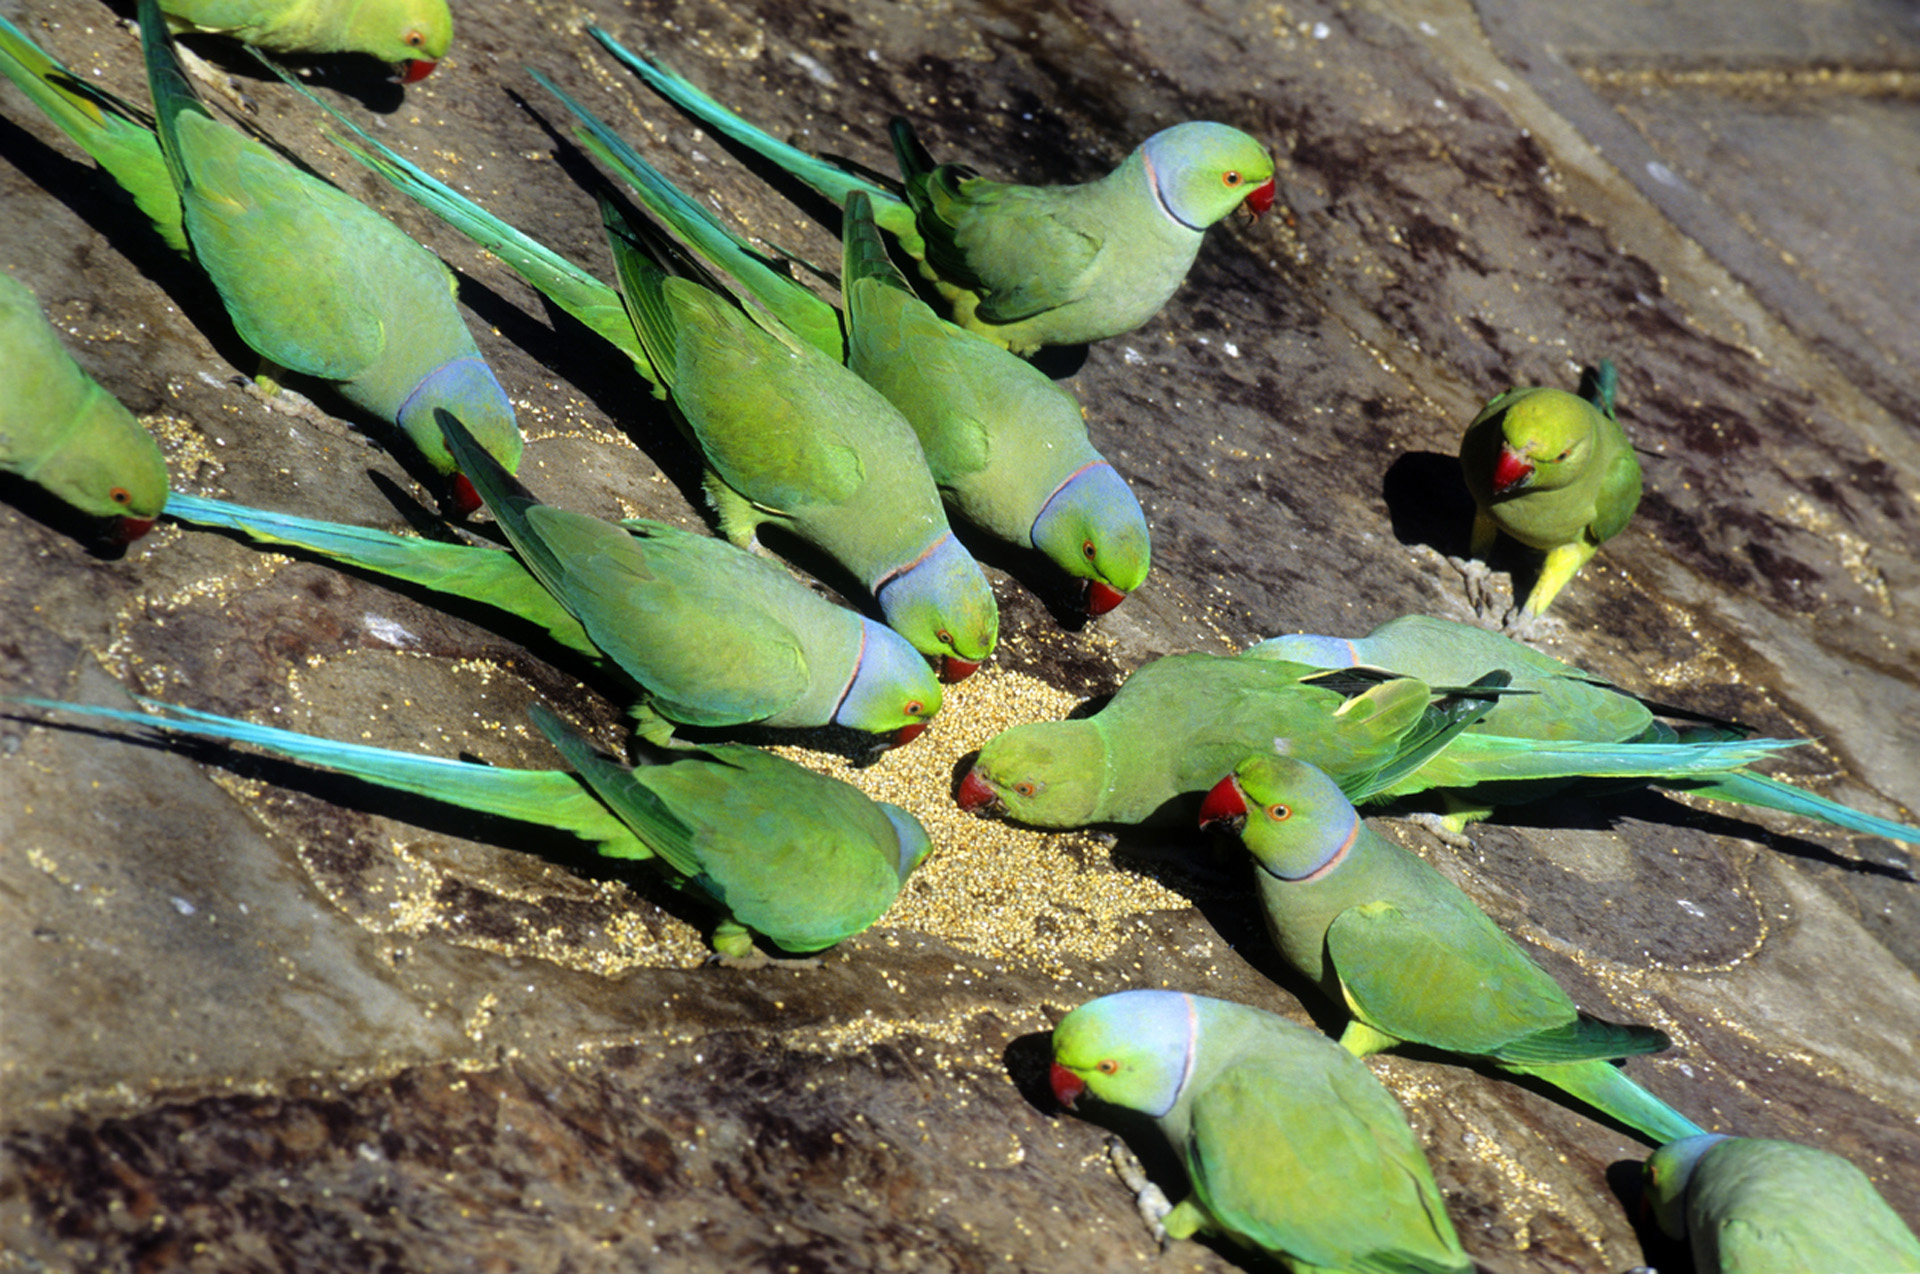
944	637
1108	1066
1087	550
915	708
1024	788
1563	455
414	39
1279	813
120	495
1231	178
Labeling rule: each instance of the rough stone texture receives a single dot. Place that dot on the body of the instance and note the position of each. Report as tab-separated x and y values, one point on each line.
260	1018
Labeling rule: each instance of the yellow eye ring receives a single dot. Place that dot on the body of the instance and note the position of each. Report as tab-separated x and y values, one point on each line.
1231	177
1108	1066
1279	813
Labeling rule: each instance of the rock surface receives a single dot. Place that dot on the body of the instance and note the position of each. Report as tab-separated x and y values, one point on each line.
263	1018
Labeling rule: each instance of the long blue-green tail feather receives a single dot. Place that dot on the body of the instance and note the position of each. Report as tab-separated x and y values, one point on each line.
492	577
594	303
829	179
1490	758
549	798
173	94
1606	1088
1749	788
110	130
759	279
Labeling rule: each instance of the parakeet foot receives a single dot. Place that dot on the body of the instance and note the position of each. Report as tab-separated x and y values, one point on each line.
1530	626
1477	581
755	958
1149	1200
1444	827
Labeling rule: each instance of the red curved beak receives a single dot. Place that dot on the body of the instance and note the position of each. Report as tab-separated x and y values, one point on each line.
974	794
1066	1085
908	733
1225	807
1259	200
1102	597
127	530
953	668
1510	470
463	499
413	70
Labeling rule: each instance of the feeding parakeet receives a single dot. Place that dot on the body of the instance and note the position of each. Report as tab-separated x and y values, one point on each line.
1027	266
1554	471
60	430
1290	1144
802	859
1750	1205
317	282
1182	721
1409	954
412	34
700	632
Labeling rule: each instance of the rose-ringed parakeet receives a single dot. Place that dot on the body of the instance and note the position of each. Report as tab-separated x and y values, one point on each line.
1027	266
108	128
1751	1205
412	34
1290	1144
799	858
317	282
1007	447
1561	702
1409	954
1182	721
60	430
699	632
1554	471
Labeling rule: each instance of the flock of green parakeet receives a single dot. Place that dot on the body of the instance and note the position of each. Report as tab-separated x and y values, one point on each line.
858	429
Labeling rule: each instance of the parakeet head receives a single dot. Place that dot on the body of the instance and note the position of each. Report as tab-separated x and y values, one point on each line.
1292	818
1548	435
466	389
1133	1049
892	691
1304	648
413	33
1666	1176
1203	171
1092	527
915	844
109	468
942	603
1044	773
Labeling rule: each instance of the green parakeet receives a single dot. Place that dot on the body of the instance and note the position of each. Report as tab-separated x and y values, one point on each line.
802	859
60	430
700	632
1291	1146
317	282
1409	954
794	439
1748	1205
108	128
1553	470
1562	703
1007	447
1027	266
1180	722
414	34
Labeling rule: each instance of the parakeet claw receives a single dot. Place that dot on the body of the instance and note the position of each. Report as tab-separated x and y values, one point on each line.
1443	827
755	958
1148	1199
1477	579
